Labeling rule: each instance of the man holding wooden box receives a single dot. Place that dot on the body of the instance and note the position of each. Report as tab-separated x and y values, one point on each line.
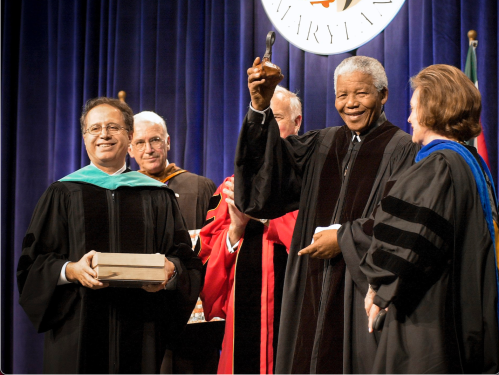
91	327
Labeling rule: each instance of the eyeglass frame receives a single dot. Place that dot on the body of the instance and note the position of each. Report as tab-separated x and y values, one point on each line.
159	139
87	130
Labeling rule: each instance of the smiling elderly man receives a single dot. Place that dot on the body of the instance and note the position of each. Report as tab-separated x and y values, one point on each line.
105	207
336	176
149	147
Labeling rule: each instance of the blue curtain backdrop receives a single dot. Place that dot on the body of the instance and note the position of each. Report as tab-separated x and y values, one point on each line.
186	60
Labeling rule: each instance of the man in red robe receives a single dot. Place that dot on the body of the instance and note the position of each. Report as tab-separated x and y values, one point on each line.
245	262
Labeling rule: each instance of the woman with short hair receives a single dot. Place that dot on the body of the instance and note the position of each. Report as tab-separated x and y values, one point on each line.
432	263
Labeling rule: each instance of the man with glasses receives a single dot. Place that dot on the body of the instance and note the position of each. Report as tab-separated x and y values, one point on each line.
105	207
149	147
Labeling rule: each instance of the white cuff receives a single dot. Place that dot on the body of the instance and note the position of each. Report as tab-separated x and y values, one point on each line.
320	229
62	277
264	112
230	248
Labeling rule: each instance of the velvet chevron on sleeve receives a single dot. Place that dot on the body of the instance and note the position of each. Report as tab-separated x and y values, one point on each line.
432	263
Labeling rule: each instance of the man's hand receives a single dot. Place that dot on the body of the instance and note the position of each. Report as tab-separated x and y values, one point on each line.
369	300
169	270
261	87
82	272
372	310
325	245
238	220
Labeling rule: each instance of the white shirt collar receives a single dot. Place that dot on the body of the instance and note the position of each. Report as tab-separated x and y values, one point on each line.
356	136
381	120
119	171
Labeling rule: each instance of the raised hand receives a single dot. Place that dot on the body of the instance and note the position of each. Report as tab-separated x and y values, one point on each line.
262	80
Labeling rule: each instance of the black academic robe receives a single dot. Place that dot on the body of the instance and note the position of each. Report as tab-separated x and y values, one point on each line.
274	176
110	330
193	195
432	263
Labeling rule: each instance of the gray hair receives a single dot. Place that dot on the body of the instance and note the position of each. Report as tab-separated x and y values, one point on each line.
152	117
294	101
363	64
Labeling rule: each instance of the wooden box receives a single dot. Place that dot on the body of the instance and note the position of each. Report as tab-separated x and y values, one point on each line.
129	269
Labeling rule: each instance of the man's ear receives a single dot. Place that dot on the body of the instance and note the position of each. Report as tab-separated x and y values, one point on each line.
130	151
130	138
384	95
298	120
168	143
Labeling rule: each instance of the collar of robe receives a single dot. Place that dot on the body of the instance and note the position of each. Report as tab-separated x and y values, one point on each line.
93	175
481	183
168	173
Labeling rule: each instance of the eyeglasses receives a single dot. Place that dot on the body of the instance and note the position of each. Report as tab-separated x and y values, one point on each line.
155	142
110	128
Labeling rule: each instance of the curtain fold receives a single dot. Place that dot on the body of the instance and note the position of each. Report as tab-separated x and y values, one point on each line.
187	61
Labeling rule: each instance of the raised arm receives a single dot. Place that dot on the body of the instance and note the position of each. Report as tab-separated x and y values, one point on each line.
268	169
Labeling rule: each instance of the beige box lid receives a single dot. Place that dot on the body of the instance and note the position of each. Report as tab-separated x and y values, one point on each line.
128	259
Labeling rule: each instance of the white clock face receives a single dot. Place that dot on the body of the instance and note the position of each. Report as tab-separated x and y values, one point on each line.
330	27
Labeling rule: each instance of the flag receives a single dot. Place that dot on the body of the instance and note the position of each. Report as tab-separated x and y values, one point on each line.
470	70
479	142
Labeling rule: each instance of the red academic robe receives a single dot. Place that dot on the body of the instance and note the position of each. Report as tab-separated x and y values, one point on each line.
245	287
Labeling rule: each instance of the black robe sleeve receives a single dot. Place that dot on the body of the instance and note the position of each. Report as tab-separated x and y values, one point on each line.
268	169
413	231
45	250
432	262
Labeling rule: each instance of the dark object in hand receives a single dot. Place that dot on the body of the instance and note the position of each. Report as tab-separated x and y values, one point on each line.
272	73
379	320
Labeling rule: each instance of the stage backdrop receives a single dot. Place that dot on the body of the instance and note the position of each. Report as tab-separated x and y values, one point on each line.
187	61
